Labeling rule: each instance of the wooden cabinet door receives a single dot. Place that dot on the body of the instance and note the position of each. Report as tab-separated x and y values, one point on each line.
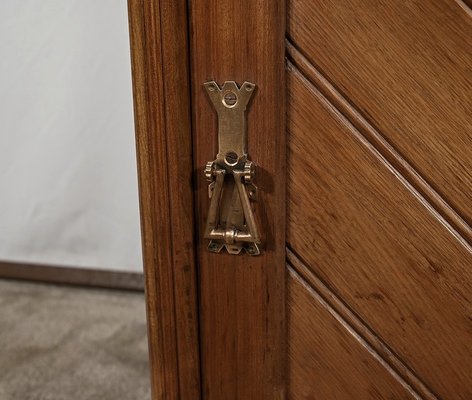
361	133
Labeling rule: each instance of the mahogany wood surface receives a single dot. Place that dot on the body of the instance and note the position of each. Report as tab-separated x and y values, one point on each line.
159	49
327	360
377	244
242	297
406	67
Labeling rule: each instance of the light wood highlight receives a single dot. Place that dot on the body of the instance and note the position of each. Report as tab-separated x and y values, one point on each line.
371	237
406	66
242	297
159	50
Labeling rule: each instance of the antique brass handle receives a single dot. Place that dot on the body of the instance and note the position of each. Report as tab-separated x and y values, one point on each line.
230	221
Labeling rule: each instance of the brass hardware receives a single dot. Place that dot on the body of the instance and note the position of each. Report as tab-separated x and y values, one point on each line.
230	221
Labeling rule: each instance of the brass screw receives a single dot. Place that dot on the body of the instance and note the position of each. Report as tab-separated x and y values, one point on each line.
230	99
231	158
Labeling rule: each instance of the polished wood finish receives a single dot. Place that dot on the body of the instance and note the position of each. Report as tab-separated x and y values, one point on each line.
242	297
377	243
405	66
163	135
327	359
369	340
376	138
72	275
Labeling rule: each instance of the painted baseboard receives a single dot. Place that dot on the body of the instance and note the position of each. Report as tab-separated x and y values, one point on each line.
72	276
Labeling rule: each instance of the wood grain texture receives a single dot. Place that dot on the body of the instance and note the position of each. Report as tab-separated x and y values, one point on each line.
159	49
72	275
406	66
327	359
242	297
371	237
360	332
378	141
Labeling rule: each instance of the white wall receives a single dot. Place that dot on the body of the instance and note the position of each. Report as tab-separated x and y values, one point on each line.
68	191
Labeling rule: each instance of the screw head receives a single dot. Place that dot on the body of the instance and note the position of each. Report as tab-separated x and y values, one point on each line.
230	99
231	158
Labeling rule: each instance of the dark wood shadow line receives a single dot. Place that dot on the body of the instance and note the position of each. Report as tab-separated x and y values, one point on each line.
72	276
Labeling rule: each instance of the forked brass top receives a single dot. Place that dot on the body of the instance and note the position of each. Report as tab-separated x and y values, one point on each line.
230	103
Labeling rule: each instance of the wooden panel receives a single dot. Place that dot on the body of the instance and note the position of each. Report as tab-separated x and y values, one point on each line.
327	359
72	276
377	244
159	50
378	141
242	297
405	65
361	332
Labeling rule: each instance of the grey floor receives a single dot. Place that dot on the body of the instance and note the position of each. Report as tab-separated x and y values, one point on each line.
66	343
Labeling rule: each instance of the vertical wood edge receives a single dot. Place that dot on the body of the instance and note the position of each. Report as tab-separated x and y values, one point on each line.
159	54
242	298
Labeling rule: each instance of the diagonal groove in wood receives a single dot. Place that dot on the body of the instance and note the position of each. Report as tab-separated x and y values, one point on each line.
298	62
359	329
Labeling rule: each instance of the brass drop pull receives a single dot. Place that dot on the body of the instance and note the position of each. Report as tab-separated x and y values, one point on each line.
230	221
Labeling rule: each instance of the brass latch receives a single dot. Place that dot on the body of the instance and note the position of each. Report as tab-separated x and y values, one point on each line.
231	222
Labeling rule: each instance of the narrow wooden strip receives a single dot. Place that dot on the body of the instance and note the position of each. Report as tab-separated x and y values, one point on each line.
177	94
363	334
378	141
72	275
164	148
156	237
241	297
